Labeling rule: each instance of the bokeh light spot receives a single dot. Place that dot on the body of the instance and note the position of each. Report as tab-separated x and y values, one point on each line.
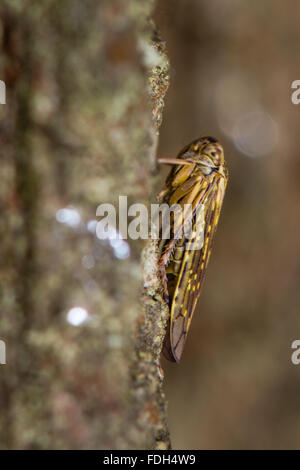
76	316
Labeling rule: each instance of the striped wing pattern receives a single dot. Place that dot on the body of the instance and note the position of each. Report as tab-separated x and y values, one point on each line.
192	271
183	267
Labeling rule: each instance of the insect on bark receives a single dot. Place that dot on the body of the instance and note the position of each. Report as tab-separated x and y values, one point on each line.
197	180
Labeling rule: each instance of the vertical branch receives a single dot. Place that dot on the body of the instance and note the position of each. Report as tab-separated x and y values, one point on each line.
147	374
77	131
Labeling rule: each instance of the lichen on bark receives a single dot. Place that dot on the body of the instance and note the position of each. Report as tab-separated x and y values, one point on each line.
150	406
78	130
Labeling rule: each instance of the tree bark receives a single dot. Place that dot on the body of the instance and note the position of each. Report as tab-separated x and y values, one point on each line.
78	130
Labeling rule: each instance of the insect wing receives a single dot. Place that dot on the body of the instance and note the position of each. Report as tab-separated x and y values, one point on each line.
193	268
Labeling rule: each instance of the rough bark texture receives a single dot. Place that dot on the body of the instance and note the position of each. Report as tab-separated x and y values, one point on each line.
78	131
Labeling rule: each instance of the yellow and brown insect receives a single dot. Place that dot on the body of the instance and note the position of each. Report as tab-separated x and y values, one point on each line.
198	179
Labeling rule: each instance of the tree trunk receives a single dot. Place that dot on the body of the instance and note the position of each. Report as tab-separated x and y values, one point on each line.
77	130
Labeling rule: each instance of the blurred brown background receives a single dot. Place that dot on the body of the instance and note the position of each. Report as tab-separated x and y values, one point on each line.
76	132
232	65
